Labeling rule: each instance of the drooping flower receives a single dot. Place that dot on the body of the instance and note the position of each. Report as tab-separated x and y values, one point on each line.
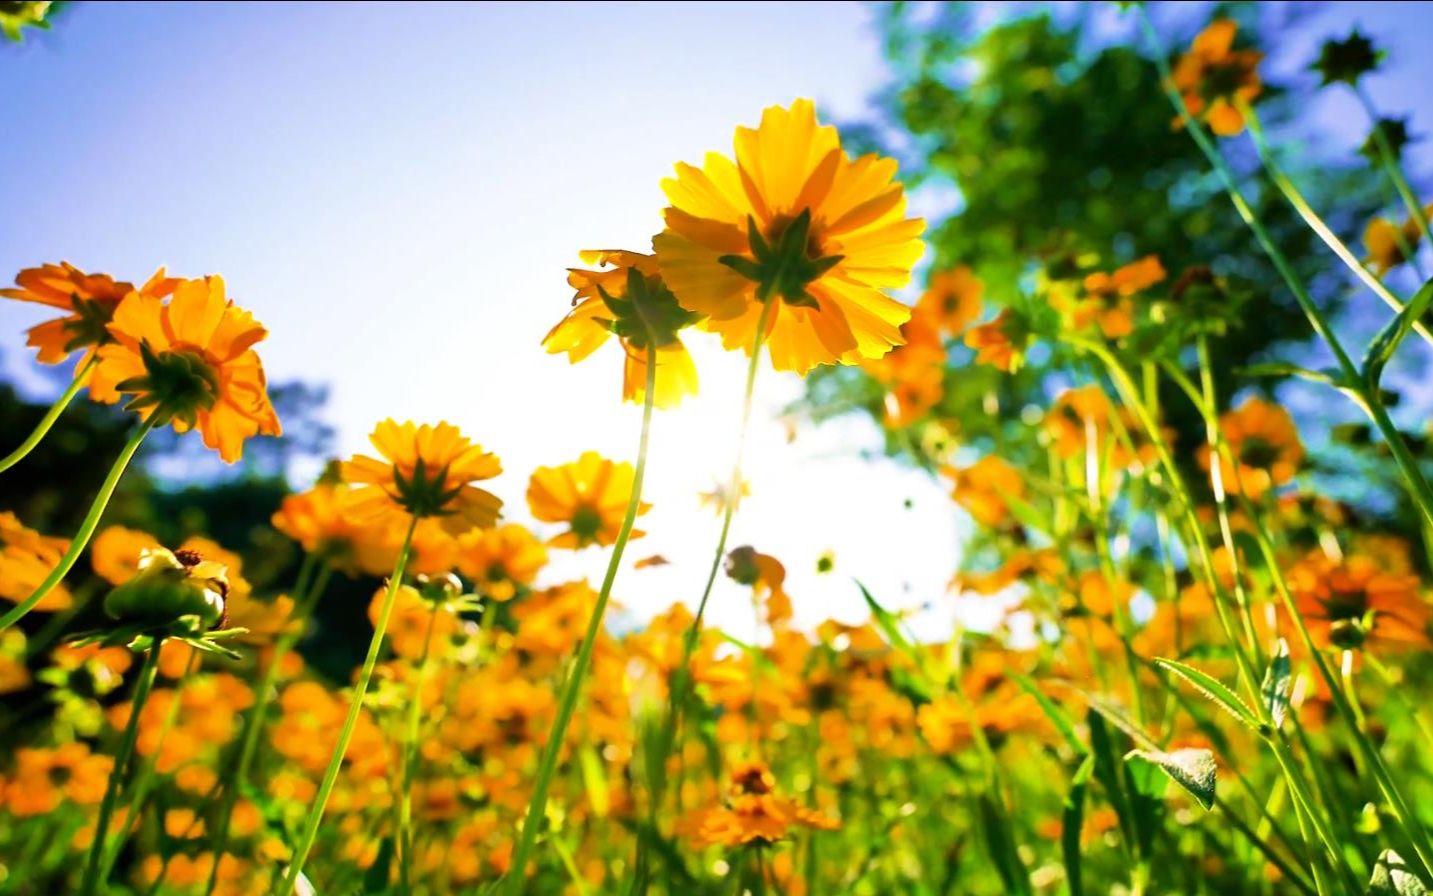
590	495
1212	76
426	471
795	221
89	299
629	301
26	559
1265	445
500	561
189	362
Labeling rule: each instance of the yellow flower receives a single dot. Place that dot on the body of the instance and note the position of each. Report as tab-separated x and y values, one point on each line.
190	362
26	558
426	471
408	629
1213	75
794	221
629	301
502	560
755	812
91	300
590	495
1002	342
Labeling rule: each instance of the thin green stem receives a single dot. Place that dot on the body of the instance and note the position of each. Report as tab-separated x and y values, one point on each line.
254	723
677	685
86	530
355	706
1311	218
410	740
1390	164
53	414
572	687
142	688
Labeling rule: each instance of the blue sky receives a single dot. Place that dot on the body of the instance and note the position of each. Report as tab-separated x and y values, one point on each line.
396	189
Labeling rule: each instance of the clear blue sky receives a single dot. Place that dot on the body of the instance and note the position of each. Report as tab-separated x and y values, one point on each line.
395	190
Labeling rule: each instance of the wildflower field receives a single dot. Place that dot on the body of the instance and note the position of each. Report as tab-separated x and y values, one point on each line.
1170	368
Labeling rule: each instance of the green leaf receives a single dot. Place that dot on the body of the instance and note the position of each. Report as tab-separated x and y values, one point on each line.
1214	689
1057	716
1072	820
1192	769
375	879
1381	349
594	781
1001	841
890	625
1281	369
1392	877
1277	679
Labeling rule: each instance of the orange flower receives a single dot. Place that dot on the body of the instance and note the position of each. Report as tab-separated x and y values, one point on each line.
26	558
91	300
795	221
409	626
1265	445
914	373
115	552
1389	245
1356	603
1002	342
1213	75
502	560
190	362
766	577
44	779
754	813
951	300
983	487
427	471
1108	301
631	302
590	495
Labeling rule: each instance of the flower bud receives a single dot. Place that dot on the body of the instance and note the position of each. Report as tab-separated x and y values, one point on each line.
171	588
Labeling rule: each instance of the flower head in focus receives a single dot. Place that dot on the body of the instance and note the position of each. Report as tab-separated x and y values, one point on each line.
794	221
424	471
628	301
189	362
89	299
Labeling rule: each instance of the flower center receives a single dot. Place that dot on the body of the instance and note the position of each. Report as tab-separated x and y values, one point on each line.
586	523
176	384
786	264
424	493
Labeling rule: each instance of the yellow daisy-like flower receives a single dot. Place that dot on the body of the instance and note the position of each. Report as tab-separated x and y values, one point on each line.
426	471
26	558
630	301
1212	76
90	299
793	220
952	299
590	495
502	560
190	362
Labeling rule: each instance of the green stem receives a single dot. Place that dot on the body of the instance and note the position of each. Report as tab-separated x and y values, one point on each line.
1390	163
87	528
572	687
147	674
677	685
355	706
50	417
410	740
1311	218
254	724
1353	380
